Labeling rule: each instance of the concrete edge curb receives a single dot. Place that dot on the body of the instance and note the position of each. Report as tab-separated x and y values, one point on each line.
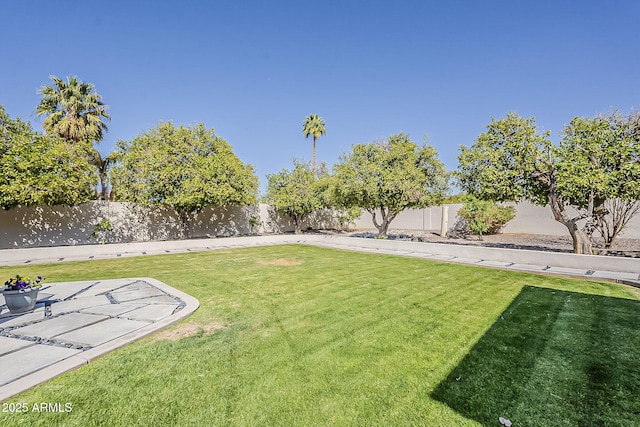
519	256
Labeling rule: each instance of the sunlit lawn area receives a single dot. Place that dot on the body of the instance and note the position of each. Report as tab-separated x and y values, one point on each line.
300	335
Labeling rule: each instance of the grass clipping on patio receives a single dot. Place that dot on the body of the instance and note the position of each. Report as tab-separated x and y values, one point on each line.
345	338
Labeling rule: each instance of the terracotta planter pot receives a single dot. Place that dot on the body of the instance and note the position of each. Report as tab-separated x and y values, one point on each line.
22	300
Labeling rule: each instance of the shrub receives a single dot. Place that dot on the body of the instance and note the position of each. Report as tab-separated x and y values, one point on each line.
485	217
101	229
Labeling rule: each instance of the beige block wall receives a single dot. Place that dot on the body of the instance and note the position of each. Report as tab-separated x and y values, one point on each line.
530	219
62	225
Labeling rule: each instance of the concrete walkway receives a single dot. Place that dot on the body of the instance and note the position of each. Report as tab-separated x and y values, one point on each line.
617	269
75	322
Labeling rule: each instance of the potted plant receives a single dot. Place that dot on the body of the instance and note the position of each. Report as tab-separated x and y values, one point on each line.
21	293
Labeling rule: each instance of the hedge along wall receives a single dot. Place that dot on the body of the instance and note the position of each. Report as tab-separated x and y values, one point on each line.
62	225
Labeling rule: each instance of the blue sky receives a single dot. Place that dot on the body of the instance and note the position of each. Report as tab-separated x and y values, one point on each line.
253	70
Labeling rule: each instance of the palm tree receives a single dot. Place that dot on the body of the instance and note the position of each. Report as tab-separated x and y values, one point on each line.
76	113
314	125
73	111
103	164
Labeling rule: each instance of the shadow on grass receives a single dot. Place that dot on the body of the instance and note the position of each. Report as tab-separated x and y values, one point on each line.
553	358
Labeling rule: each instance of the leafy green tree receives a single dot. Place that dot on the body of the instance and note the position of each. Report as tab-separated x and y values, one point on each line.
314	126
511	161
72	110
507	162
387	178
485	217
36	169
296	193
599	169
185	168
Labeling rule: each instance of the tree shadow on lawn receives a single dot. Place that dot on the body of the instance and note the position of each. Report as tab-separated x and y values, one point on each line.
552	358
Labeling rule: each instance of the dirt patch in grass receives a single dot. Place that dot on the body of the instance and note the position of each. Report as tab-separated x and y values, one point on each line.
281	261
186	330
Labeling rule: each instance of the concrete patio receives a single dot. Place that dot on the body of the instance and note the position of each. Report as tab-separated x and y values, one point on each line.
75	322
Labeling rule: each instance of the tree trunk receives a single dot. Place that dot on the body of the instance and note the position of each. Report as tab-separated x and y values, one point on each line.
104	186
297	224
582	239
582	242
383	229
313	155
387	217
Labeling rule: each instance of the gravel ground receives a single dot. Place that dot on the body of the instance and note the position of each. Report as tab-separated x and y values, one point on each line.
536	242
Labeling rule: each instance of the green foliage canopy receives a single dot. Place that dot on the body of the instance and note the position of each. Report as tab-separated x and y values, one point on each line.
387	178
455	198
36	169
600	158
510	161
295	193
186	168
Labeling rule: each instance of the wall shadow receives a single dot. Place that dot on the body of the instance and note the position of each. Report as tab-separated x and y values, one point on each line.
46	226
132	222
223	221
276	222
552	358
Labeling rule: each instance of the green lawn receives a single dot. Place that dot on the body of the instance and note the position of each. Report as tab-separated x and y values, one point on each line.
300	335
